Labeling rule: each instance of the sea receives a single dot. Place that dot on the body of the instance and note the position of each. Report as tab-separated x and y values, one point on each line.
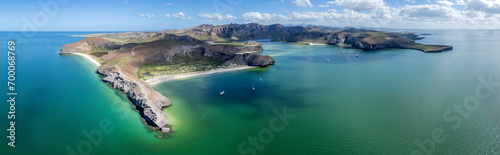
390	101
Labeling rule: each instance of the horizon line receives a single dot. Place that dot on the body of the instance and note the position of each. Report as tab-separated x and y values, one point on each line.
191	27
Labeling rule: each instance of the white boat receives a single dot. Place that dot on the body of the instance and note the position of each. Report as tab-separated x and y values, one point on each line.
357	55
260	79
328	60
253	87
221	93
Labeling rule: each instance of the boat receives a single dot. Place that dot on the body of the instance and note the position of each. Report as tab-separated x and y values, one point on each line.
253	87
328	60
260	79
221	93
357	55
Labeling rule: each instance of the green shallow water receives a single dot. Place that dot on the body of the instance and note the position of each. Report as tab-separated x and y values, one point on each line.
379	103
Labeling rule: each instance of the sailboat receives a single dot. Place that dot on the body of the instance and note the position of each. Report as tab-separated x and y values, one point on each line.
253	87
221	93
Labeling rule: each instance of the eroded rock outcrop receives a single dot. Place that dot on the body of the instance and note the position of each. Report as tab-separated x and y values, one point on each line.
150	108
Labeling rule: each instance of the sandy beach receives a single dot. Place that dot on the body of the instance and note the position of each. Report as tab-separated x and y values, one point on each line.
89	58
166	78
315	44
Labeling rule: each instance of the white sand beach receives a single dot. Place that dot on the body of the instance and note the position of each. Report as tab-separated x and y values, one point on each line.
165	78
89	58
315	44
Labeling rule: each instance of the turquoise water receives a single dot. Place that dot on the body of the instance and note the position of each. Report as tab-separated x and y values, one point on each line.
379	103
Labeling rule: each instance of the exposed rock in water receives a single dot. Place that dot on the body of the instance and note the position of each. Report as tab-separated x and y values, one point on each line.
165	129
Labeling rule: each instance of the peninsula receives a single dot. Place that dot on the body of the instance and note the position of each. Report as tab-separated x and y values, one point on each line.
126	66
133	61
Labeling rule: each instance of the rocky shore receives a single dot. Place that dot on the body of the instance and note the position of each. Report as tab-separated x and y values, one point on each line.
150	107
165	78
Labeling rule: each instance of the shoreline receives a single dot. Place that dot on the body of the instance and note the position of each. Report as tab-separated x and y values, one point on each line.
165	78
89	58
316	44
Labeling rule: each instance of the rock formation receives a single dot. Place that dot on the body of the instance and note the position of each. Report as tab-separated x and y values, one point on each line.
150	107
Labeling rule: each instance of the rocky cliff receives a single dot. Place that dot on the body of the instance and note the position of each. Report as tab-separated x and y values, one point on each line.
150	108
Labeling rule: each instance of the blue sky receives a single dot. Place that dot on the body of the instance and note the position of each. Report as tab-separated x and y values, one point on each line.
137	15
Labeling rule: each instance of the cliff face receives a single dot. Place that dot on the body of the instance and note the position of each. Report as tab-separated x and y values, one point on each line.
150	108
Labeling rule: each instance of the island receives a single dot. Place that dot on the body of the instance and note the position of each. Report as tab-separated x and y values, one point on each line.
134	61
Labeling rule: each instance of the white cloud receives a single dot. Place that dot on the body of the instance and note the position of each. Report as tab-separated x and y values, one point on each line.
359	5
324	5
169	4
126	2
347	17
487	6
181	15
167	15
147	15
429	11
445	3
302	3
408	16
216	16
331	10
263	17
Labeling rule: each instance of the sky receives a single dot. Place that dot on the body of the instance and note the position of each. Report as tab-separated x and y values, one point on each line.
154	15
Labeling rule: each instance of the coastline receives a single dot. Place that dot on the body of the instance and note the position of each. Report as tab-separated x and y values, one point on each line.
165	78
316	44
89	58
